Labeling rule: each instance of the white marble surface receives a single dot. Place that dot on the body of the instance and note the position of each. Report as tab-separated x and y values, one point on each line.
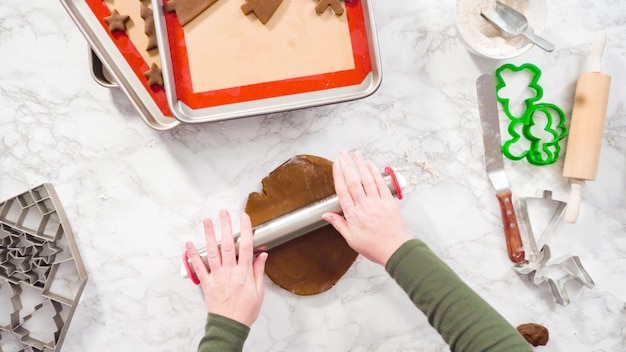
135	195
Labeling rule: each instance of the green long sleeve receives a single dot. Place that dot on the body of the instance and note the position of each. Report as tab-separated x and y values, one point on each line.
464	320
223	334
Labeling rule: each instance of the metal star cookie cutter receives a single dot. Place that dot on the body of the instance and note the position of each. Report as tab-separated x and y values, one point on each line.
40	269
559	271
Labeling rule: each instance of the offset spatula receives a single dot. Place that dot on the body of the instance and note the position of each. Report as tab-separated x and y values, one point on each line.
488	110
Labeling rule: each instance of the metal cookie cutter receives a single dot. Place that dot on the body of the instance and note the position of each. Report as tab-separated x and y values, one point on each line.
559	271
41	273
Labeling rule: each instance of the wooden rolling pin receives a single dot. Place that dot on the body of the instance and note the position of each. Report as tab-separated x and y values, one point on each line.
586	127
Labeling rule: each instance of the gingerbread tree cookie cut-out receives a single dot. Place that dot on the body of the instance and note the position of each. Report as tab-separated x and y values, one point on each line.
187	10
154	76
148	18
263	9
335	5
116	21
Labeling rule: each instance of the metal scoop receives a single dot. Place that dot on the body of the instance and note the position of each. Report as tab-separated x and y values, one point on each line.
512	23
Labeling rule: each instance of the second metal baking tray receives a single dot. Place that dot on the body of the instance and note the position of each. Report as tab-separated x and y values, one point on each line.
118	68
267	97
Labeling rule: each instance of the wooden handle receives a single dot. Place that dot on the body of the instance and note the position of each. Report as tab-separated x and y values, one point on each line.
511	229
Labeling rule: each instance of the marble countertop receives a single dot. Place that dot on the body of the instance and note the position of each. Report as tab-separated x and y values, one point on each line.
134	195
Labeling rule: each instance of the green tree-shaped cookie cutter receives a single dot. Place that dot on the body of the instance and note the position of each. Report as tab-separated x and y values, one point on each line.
541	151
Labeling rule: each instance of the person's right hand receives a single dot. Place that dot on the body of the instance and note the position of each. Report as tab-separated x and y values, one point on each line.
372	222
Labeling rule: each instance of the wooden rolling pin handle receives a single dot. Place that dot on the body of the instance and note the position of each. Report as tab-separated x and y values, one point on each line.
511	229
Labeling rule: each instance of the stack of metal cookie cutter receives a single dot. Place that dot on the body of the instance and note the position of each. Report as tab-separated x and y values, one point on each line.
41	273
557	272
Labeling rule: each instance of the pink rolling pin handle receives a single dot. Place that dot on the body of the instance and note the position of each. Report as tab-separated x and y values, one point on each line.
190	272
396	184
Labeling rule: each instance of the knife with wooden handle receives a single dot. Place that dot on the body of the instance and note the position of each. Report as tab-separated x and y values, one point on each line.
488	111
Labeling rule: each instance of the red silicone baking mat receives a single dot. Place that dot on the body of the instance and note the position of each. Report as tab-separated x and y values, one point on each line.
131	54
196	100
119	57
192	106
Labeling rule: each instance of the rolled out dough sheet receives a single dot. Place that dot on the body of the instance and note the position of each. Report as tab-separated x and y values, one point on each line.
312	263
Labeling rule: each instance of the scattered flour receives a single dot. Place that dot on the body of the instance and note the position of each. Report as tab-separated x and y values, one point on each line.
480	34
426	166
423	164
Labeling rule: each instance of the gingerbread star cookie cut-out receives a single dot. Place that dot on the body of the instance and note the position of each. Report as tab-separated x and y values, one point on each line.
116	21
154	75
263	9
187	10
148	18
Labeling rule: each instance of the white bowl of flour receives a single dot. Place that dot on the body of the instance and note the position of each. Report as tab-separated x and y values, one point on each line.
483	39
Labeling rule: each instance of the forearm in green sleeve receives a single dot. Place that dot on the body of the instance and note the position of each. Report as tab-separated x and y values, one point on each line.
223	334
464	320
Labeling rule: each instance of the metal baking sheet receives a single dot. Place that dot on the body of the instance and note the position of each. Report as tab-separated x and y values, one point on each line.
99	72
154	112
206	110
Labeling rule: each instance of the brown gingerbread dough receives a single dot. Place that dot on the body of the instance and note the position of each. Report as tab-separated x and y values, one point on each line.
148	17
263	9
312	263
187	10
154	75
335	5
116	21
535	334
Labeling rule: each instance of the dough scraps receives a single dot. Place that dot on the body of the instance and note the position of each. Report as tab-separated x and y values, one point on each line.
187	10
312	263
263	9
116	21
535	334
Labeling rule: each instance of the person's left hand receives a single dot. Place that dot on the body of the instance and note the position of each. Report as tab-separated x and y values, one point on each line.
232	285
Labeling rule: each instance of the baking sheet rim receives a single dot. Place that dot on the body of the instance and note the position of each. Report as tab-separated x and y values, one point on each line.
184	113
128	82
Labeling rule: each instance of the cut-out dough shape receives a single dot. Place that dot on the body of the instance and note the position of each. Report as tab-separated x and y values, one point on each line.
148	18
263	9
116	21
187	10
335	5
154	75
312	263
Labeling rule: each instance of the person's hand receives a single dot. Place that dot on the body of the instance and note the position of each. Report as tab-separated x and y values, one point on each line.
232	285
372	222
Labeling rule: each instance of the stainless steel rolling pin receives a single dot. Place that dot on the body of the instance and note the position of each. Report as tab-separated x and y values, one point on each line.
295	223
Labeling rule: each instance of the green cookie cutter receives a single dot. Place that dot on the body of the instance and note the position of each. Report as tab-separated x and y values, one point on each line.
535	73
541	151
